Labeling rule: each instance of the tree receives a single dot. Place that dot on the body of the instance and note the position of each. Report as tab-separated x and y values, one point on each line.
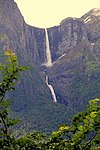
10	71
83	134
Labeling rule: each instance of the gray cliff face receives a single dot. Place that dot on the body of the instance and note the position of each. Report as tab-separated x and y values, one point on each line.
92	23
54	39
66	36
36	45
73	32
77	52
29	45
17	35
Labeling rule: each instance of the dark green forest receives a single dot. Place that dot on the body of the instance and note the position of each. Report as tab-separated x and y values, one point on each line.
82	134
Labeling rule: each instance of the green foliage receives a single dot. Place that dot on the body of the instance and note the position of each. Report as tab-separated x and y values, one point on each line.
83	134
10	73
86	83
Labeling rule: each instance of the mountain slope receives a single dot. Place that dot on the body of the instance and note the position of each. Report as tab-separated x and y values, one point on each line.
32	99
76	68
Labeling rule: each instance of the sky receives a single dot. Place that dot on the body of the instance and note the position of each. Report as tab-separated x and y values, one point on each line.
49	13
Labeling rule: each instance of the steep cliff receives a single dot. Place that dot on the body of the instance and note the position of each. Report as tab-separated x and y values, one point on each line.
27	42
66	36
92	23
76	67
32	99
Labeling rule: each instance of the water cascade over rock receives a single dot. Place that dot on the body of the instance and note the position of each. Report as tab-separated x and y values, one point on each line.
48	53
52	90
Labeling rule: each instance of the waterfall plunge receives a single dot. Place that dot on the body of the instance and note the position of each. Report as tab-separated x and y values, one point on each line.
48	64
52	90
48	53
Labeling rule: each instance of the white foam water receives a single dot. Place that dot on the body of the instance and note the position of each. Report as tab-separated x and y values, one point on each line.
48	53
51	89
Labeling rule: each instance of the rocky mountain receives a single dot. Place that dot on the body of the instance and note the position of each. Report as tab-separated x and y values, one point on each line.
92	23
77	51
74	73
32	100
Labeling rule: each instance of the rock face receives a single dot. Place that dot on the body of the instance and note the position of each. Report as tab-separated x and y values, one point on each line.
17	35
74	75
32	101
66	36
29	45
77	52
92	23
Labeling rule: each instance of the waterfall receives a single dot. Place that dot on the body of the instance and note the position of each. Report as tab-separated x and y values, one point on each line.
51	89
48	64
48	53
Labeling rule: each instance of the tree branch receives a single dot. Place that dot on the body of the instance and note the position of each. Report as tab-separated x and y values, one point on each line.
90	141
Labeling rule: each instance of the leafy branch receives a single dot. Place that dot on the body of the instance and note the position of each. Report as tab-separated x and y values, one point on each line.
10	72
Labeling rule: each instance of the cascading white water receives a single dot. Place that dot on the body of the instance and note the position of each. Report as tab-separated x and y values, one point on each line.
48	53
52	90
48	64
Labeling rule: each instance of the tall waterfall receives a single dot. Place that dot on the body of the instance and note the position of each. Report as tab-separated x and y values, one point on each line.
48	53
52	90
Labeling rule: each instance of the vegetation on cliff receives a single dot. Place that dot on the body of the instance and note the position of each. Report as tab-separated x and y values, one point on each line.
82	134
